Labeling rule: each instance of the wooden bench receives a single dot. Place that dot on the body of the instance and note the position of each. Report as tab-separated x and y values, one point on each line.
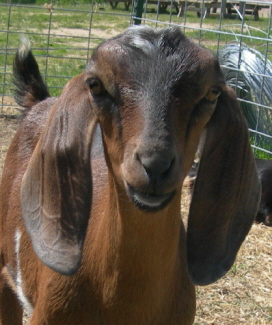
202	9
242	8
229	8
163	4
114	3
198	7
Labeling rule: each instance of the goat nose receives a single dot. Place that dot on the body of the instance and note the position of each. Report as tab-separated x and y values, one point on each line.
158	165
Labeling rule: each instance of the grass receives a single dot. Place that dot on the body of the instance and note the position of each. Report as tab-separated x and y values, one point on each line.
63	41
60	42
62	37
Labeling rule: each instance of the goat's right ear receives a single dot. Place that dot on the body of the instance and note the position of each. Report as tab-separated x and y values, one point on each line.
56	189
226	194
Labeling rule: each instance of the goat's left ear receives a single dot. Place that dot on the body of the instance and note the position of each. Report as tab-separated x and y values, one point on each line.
57	186
226	194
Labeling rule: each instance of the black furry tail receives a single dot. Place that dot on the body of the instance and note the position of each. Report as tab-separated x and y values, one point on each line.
30	87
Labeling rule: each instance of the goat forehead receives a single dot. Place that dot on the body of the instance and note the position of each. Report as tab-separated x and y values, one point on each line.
148	39
143	51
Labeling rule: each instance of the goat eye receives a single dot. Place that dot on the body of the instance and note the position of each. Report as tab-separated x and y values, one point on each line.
95	85
213	94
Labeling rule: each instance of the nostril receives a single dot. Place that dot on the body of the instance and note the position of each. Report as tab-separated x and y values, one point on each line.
169	168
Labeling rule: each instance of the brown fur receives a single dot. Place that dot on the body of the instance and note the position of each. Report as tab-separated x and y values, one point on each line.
100	257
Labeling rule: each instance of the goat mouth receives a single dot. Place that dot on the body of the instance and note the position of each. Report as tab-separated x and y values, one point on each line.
148	202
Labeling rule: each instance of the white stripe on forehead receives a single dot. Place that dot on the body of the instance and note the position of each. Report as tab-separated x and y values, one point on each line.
143	44
136	39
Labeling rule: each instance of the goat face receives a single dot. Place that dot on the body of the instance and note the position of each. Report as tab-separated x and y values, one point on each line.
153	93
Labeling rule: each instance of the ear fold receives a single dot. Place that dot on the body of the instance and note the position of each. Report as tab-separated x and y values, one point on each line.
226	194
56	188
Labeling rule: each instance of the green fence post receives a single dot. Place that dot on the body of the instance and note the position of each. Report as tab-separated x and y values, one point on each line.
139	12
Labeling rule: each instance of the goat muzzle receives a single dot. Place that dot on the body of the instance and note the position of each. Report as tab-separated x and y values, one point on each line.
152	178
149	202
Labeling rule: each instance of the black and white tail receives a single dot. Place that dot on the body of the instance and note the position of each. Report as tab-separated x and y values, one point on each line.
30	87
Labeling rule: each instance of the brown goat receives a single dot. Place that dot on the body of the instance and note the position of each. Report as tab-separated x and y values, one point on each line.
264	169
91	231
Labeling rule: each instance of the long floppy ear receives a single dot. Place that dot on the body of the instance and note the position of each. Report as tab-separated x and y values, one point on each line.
57	187
226	194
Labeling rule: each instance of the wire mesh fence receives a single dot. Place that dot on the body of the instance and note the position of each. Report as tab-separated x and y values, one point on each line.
64	34
62	38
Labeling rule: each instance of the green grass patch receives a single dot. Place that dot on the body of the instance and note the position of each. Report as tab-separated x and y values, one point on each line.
60	42
63	40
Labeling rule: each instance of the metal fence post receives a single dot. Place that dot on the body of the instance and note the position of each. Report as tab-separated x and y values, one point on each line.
139	12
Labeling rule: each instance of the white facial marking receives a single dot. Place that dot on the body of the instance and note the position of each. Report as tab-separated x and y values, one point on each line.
24	301
139	42
143	44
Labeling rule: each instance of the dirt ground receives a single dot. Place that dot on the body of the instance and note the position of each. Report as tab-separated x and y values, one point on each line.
244	295
8	128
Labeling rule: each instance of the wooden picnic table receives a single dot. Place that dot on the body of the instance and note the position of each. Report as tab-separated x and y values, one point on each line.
203	9
228	7
244	8
163	4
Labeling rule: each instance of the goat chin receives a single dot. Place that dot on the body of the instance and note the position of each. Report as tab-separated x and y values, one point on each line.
92	183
